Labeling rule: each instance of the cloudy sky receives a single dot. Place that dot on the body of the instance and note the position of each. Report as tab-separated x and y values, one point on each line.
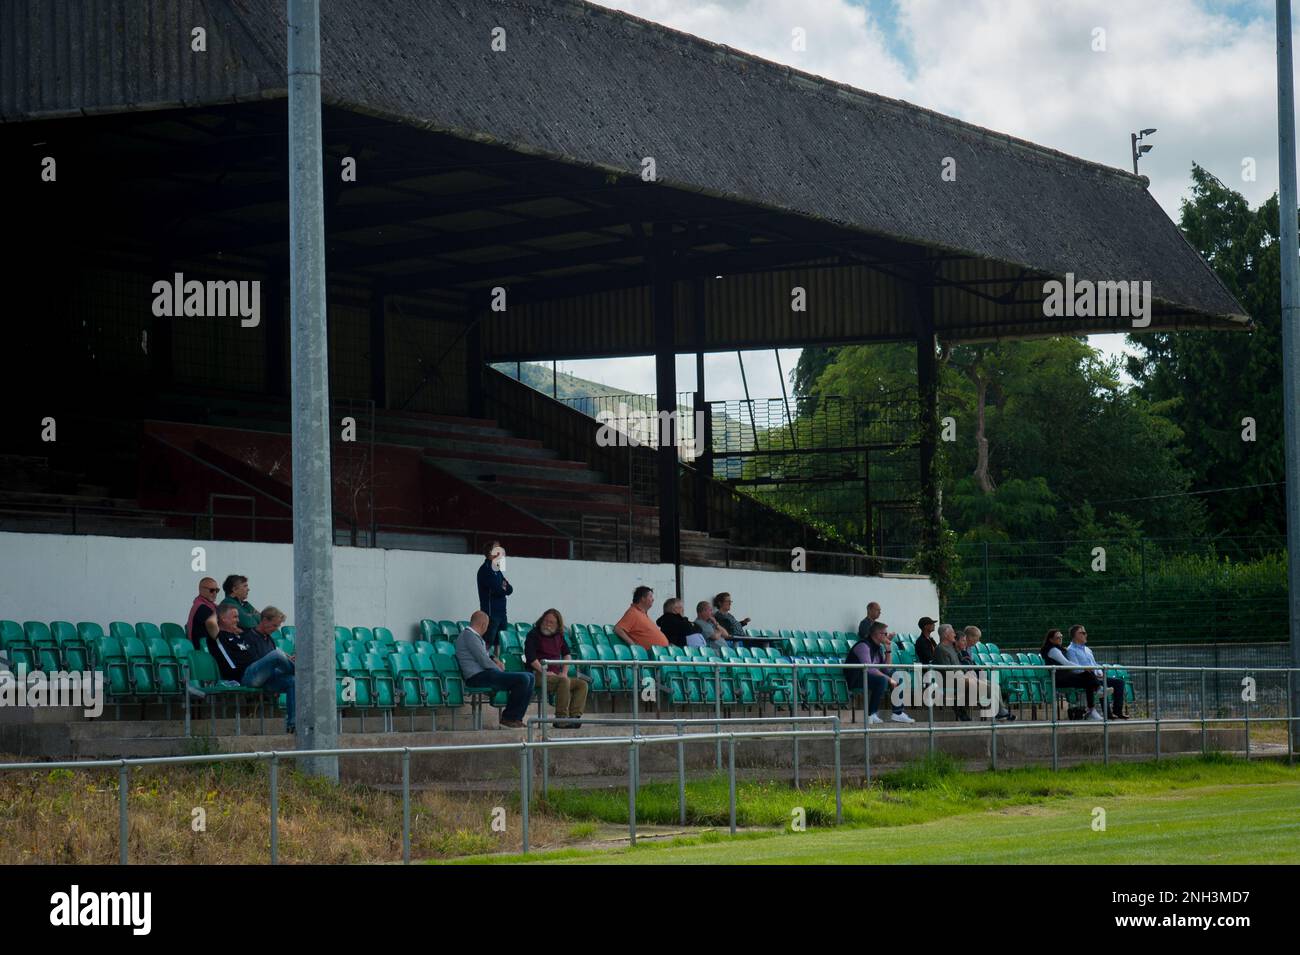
1200	71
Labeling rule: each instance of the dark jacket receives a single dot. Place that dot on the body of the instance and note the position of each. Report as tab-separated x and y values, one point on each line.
493	589
925	649
676	628
235	653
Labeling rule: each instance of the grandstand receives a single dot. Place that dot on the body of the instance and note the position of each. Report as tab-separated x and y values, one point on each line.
155	449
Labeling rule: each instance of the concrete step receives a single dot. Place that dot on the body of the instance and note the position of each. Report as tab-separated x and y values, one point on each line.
502	469
490	448
559	489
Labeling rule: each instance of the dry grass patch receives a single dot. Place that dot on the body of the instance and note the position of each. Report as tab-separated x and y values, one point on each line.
62	816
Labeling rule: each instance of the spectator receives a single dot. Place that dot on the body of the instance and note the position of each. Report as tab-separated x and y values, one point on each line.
674	624
873	614
250	658
704	624
635	628
1079	652
722	607
874	649
202	621
714	634
236	588
481	672
967	640
963	654
925	643
1070	679
945	654
493	589
546	642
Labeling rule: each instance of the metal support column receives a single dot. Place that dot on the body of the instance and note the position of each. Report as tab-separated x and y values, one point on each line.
1286	150
378	348
927	388
665	338
313	512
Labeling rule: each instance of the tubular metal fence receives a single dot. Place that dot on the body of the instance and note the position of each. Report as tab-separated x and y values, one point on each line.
636	741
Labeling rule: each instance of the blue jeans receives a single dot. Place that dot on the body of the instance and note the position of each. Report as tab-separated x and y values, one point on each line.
274	672
519	686
876	687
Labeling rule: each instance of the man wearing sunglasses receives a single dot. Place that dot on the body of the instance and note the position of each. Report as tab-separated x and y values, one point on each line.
202	621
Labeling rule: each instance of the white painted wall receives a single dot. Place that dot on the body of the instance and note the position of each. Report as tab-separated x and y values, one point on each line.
802	601
63	577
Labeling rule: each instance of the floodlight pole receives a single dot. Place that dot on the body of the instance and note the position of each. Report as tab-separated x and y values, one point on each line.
1290	262
313	510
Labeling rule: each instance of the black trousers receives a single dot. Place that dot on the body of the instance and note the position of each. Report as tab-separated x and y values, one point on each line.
1086	681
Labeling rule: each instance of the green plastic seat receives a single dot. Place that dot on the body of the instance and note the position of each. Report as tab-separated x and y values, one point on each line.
429	631
121	631
429	686
453	684
363	685
385	636
112	661
383	680
91	633
167	668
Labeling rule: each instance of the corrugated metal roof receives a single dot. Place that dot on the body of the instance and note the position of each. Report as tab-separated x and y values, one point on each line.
586	85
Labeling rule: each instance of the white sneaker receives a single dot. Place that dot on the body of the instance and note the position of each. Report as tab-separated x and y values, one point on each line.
1093	715
874	718
901	718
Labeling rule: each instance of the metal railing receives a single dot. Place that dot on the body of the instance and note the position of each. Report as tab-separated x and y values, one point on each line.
635	741
932	729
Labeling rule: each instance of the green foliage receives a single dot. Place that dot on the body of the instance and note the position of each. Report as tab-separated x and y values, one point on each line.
1207	382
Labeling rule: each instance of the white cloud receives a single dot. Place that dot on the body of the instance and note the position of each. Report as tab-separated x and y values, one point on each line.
1203	78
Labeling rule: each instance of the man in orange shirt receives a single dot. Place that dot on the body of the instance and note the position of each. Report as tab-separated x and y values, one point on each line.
635	628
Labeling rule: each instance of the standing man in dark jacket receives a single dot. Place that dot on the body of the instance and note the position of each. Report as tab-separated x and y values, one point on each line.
493	589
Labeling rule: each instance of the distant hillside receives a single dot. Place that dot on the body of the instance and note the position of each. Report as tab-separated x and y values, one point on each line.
538	377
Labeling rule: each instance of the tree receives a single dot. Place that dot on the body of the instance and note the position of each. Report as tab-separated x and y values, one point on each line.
1208	382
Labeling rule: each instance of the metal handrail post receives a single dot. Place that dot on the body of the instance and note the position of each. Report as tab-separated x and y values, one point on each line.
866	751
993	743
839	789
1158	716
717	708
731	780
681	775
185	688
1105	717
1204	740
631	792
636	693
123	830
1290	721
275	809
523	797
1247	704
794	737
406	807
1052	704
